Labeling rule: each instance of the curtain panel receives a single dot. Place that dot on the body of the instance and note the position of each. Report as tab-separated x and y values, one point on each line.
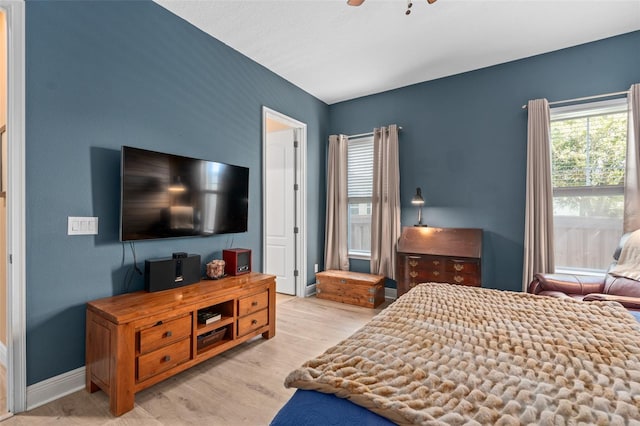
632	169
336	254
385	213
538	222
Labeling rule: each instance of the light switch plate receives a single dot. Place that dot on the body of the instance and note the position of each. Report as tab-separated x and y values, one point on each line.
80	225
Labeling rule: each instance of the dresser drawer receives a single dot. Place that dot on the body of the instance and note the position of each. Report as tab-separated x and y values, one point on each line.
460	266
462	279
425	274
164	333
414	269
423	268
252	322
253	303
163	359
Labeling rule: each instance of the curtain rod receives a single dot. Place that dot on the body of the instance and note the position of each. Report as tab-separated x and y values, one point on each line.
362	135
606	95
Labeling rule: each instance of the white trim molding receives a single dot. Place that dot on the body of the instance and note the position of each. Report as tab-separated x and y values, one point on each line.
56	387
310	290
16	226
301	200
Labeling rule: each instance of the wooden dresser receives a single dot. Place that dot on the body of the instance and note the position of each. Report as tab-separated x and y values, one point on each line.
138	339
445	255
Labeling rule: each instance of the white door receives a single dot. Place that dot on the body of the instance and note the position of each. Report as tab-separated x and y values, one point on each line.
280	256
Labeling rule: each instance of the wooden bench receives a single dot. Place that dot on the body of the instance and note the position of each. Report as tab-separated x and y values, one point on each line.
354	288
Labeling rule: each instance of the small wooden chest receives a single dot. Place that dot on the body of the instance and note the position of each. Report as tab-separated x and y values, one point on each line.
354	288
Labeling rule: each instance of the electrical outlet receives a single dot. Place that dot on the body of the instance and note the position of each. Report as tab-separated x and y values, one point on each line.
315	268
82	225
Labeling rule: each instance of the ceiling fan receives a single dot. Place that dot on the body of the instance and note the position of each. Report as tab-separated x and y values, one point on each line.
409	4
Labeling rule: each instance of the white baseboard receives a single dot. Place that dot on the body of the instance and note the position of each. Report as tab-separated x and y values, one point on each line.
390	293
310	290
3	355
56	387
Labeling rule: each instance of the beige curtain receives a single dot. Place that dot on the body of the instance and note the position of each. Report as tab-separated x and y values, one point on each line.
632	172
335	242
385	214
538	220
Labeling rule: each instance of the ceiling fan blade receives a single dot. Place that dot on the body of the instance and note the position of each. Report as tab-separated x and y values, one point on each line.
355	2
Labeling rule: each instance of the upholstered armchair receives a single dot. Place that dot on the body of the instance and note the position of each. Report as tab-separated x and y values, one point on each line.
589	288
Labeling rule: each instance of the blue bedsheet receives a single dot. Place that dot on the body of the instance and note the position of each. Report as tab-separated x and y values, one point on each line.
310	408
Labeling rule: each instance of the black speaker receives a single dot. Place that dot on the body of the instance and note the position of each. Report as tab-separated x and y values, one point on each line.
163	274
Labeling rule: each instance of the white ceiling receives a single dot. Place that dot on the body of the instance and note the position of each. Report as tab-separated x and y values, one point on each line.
338	52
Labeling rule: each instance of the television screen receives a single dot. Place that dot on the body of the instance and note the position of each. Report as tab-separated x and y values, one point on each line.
168	196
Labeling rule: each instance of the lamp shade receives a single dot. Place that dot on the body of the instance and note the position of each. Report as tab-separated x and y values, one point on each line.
417	199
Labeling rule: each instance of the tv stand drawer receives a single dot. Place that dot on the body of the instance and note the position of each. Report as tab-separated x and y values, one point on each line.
164	333
163	359
252	322
253	303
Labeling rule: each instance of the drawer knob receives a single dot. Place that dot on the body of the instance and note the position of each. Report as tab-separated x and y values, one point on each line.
254	303
413	263
458	267
343	281
458	278
168	334
413	274
166	358
436	273
254	322
436	262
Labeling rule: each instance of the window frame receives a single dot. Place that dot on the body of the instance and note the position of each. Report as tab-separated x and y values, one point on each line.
575	111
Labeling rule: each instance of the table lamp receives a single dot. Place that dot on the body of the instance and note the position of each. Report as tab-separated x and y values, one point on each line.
417	200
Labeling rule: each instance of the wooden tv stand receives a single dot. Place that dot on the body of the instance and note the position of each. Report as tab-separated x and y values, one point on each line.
136	340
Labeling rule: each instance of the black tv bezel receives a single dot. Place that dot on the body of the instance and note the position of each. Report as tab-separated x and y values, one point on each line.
160	238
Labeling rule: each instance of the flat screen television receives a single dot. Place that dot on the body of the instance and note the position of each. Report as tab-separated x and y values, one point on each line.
169	196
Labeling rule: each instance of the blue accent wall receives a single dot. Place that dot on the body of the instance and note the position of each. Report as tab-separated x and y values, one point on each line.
100	75
103	74
464	139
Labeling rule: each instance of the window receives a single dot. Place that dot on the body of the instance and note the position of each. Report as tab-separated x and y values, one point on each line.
588	149
359	189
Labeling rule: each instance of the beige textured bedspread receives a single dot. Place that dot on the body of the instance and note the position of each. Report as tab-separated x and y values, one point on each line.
448	354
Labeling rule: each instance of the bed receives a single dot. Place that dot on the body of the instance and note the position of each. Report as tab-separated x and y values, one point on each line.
448	354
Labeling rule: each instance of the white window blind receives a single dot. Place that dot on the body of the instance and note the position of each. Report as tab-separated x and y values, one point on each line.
359	190
360	168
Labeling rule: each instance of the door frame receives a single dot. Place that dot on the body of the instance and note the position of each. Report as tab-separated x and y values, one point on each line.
16	222
301	199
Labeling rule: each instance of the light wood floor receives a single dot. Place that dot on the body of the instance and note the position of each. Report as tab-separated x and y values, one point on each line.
243	386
